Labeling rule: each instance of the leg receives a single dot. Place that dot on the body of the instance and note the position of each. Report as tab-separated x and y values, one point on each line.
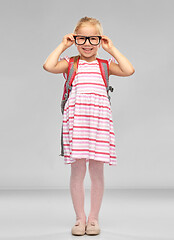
78	171
97	188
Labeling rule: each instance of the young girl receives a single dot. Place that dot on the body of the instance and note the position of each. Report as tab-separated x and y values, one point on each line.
88	134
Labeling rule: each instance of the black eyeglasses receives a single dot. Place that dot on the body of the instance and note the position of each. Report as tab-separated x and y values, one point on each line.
94	40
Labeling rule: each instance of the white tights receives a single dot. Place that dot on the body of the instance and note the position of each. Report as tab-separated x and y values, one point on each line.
78	171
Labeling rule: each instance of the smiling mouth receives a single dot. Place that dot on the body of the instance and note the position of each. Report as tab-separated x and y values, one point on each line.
87	49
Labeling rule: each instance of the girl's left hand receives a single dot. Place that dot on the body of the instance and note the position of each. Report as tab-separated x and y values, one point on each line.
107	44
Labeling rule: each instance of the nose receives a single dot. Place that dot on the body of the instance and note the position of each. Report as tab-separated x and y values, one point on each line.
87	42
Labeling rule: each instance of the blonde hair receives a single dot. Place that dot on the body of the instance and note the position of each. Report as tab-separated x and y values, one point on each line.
83	22
86	20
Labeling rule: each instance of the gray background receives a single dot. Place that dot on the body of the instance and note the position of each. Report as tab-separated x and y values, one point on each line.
30	97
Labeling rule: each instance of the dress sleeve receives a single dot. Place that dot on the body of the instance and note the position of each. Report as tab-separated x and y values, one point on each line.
67	59
112	59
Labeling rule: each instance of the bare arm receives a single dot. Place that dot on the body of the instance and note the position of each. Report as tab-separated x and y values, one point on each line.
52	63
124	67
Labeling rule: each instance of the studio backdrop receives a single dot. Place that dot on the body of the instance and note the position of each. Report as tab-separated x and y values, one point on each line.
142	104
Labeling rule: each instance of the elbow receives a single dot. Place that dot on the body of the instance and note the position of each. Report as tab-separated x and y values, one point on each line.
44	67
128	72
131	72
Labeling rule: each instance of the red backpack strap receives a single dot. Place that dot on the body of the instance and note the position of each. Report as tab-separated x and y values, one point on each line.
70	77
104	68
71	72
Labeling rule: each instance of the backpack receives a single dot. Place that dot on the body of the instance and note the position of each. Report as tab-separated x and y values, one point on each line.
104	68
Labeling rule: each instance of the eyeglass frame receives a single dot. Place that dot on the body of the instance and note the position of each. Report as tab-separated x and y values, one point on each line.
75	36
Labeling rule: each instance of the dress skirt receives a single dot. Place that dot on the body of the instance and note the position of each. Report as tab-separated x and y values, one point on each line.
88	129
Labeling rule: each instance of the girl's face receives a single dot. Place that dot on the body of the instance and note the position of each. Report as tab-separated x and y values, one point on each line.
87	51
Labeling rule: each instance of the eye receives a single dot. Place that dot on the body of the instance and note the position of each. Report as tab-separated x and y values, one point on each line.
94	38
81	38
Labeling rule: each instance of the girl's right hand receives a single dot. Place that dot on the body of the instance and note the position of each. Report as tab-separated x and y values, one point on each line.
68	40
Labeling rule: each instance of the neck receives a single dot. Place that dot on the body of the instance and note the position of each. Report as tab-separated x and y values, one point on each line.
90	59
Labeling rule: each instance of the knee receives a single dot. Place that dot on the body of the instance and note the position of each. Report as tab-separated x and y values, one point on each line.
78	169
96	170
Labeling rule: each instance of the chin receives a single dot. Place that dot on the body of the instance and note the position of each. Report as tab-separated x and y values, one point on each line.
89	55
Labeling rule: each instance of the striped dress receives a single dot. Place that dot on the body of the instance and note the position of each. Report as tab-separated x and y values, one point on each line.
87	120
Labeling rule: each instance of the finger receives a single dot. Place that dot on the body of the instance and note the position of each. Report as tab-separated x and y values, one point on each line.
69	36
105	37
104	41
72	36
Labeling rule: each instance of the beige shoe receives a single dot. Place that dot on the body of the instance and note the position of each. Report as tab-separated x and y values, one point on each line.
78	229
92	228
